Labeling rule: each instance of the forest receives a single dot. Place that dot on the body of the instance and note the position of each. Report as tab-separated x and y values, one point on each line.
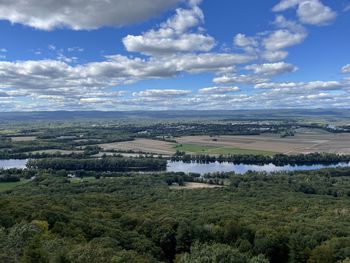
104	164
257	217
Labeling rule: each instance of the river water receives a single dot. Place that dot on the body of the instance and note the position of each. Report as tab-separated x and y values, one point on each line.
13	163
203	168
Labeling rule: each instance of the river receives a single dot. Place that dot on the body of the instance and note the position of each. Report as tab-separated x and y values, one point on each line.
203	168
13	163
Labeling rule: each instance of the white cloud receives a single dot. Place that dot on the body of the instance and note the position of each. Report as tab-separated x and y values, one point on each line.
312	12
208	62
162	93
242	40
325	85
270	45
281	85
286	4
52	77
3	50
346	69
283	38
319	96
218	90
178	46
94	100
272	69
274	55
152	44
313	85
241	79
75	49
315	13
80	14
173	36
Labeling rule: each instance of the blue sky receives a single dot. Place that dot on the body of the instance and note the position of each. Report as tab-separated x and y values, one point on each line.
174	54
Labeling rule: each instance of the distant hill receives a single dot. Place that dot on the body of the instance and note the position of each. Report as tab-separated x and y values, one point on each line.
325	114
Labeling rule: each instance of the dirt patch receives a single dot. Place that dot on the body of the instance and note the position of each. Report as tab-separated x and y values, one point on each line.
141	145
192	186
23	139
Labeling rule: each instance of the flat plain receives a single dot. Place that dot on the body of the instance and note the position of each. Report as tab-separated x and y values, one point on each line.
267	144
23	138
9	186
191	186
141	145
300	143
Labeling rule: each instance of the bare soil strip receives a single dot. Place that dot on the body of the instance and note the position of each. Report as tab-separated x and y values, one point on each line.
191	186
141	145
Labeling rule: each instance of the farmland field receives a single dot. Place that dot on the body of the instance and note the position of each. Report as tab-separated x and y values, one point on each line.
9	186
191	186
23	139
214	150
267	144
301	143
141	145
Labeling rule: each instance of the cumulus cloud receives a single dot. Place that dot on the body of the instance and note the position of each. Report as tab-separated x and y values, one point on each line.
283	38
319	96
271	45
262	73
312	85
240	79
274	55
80	14
162	93
272	69
52	77
94	100
177	46
312	12
218	90
173	36
315	13
289	34
346	69
249	44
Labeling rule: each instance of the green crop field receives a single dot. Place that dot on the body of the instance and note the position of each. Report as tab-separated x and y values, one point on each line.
83	180
9	186
205	149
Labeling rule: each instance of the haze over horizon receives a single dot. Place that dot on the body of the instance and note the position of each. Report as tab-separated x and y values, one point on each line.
122	55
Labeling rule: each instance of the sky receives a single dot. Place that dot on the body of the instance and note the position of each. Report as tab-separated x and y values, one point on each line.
174	54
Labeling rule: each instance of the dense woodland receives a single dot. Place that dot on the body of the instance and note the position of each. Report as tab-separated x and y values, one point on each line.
103	164
138	218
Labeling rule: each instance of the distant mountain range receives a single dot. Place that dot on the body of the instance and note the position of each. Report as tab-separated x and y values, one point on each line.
330	114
